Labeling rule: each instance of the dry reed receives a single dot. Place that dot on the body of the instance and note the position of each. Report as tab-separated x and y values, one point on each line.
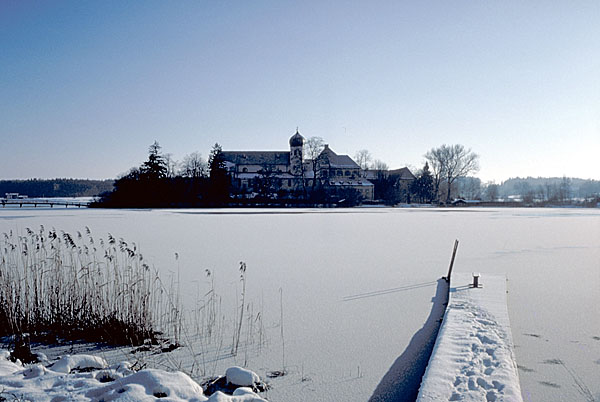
55	286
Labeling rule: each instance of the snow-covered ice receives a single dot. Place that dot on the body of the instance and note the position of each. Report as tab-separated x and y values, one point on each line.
473	358
357	285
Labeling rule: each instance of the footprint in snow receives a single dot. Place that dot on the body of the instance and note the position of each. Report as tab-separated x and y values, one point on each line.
532	335
549	384
526	369
552	361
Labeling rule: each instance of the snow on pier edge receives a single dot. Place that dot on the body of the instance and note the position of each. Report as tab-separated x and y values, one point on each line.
473	358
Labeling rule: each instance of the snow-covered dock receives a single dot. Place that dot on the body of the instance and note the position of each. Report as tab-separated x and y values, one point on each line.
473	358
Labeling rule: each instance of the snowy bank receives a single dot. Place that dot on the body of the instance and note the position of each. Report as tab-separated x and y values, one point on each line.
89	378
473	358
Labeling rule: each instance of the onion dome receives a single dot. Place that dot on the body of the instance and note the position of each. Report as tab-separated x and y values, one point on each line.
296	140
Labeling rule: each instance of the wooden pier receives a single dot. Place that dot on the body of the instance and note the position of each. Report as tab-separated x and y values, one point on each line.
42	202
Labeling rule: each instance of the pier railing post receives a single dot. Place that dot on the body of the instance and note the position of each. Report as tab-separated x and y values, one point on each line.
452	260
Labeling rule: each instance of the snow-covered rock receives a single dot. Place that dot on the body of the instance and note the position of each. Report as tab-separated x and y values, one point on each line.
150	382
62	382
241	377
80	362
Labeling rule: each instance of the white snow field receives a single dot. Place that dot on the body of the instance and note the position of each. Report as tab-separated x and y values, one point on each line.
473	358
341	293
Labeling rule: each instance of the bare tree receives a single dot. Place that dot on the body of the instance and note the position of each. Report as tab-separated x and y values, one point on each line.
380	168
193	165
363	159
434	159
450	162
380	165
312	149
171	165
492	191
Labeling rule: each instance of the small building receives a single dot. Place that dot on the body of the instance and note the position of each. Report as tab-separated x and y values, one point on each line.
15	196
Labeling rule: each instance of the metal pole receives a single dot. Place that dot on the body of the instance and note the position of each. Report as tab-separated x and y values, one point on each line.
452	260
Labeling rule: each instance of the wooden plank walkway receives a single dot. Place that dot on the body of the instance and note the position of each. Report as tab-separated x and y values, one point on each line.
473	358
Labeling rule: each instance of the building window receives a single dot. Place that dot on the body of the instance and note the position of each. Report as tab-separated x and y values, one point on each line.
340	173
347	173
244	170
289	182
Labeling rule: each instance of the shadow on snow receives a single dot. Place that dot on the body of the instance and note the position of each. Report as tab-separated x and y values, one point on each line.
402	381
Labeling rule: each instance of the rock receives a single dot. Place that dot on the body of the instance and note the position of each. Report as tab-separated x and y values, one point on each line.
241	377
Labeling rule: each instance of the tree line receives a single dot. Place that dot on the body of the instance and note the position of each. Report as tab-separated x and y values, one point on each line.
161	182
56	187
446	175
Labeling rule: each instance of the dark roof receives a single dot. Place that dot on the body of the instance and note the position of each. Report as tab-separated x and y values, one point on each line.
296	140
338	161
402	174
257	157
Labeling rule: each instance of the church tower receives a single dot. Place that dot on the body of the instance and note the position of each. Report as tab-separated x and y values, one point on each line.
296	143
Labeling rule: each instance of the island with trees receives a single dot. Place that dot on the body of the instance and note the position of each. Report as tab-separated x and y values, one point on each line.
312	174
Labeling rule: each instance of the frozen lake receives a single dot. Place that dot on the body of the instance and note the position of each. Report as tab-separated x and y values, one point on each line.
357	284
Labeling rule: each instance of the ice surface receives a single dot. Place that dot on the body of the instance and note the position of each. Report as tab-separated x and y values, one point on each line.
358	284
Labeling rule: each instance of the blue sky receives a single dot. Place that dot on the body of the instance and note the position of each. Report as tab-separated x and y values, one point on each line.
86	86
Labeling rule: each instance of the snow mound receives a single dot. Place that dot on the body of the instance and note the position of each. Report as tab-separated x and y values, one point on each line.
68	363
88	378
6	366
37	370
241	377
150	382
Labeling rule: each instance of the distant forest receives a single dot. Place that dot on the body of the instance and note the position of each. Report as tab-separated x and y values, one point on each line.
545	186
554	190
56	187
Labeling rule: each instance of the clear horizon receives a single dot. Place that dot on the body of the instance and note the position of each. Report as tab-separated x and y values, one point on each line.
86	87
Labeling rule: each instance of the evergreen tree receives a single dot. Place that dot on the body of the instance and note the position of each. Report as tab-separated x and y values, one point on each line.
219	180
156	166
423	186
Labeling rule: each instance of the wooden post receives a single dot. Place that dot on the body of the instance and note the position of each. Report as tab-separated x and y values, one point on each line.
476	276
452	260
